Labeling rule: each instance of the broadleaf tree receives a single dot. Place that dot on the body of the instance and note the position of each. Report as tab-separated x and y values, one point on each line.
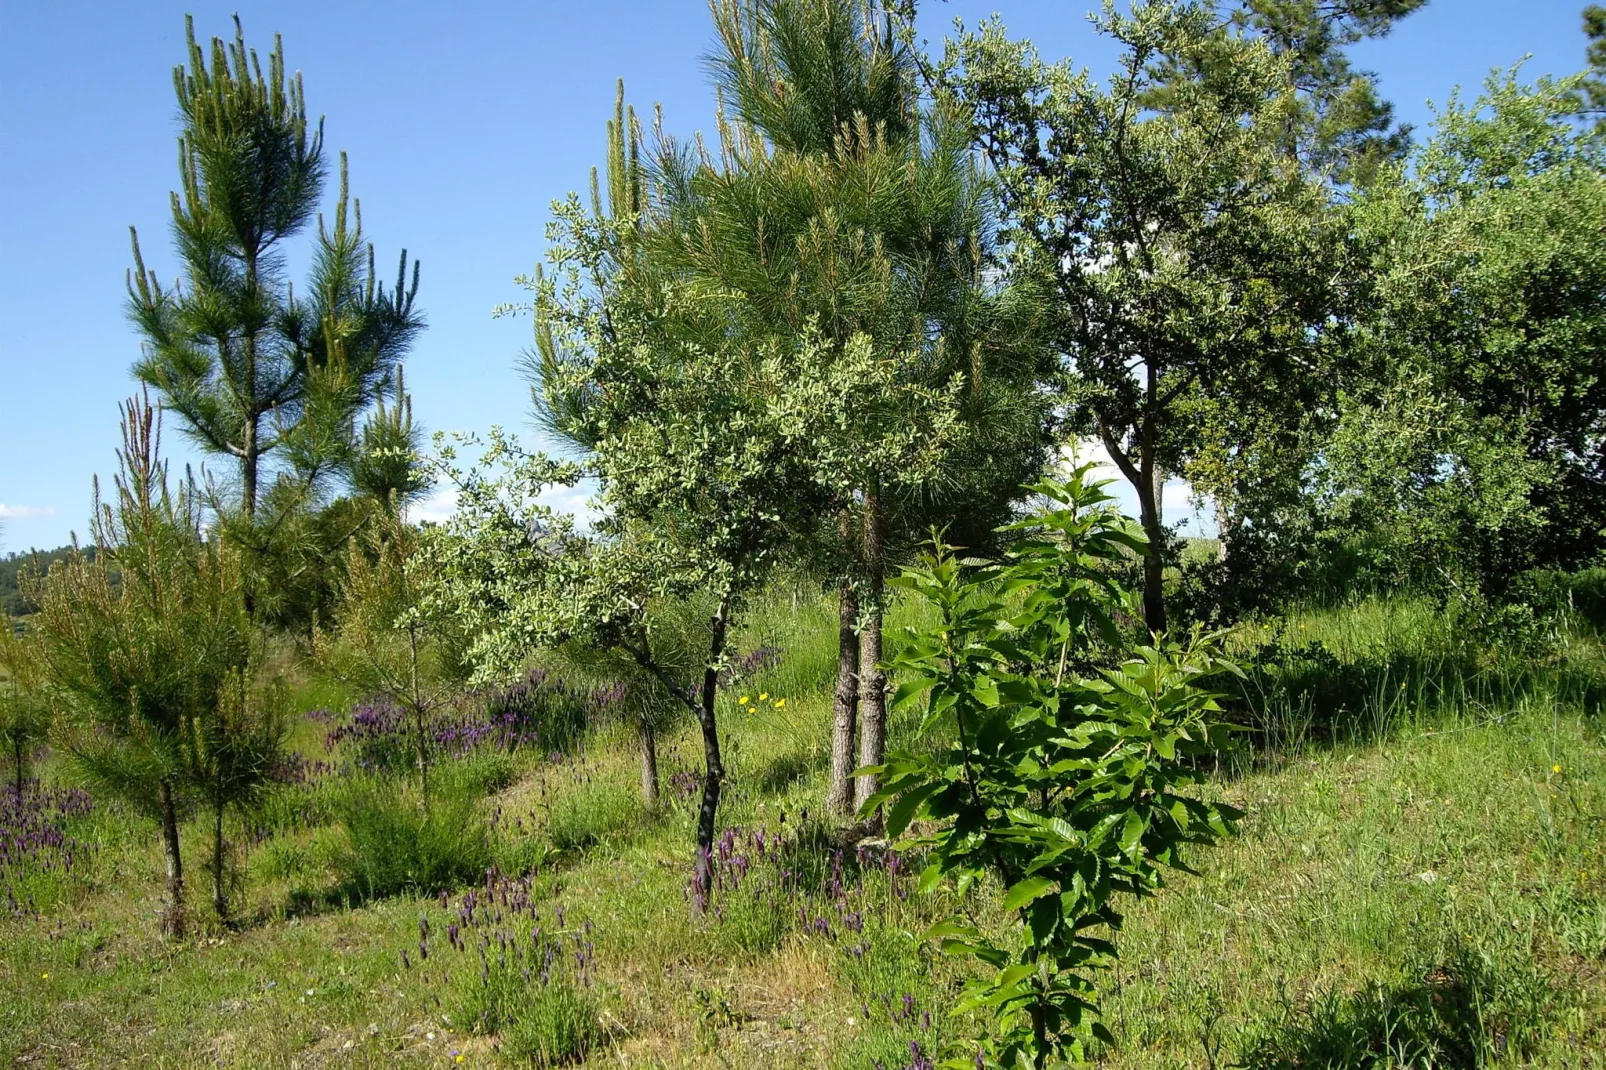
1195	262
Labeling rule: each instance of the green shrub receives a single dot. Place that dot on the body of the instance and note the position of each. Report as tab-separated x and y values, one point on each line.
1476	1007
281	859
395	844
556	1024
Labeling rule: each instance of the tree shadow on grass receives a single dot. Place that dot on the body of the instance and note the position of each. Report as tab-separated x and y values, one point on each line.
1463	1014
1293	698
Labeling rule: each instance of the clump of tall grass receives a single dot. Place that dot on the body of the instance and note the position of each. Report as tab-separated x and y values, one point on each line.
396	842
590	812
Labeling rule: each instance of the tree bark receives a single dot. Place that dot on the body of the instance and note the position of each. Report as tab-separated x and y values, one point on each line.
1150	505
713	764
872	680
1223	526
649	766
173	909
845	707
1147	477
248	470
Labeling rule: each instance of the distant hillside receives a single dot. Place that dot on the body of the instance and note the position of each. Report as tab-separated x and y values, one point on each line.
11	600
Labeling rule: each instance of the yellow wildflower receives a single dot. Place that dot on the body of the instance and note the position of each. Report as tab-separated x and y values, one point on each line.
1555	769
764	696
742	701
779	703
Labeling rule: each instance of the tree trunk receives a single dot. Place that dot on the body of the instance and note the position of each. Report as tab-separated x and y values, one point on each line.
220	901
248	471
173	909
21	756
1223	526
872	680
713	765
1150	504
845	708
649	766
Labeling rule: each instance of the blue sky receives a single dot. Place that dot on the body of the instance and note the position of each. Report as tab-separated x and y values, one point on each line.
463	122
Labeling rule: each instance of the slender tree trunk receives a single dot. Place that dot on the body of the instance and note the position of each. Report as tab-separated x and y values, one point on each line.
872	680
845	706
1223	528
649	766
248	470
253	429
1150	486
173	909
220	901
1149	515
21	757
421	740
713	764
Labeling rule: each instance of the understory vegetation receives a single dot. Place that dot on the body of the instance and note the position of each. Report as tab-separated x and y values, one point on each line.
1419	879
855	725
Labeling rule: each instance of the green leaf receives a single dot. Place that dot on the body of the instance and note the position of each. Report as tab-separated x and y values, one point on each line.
908	804
1025	891
1132	832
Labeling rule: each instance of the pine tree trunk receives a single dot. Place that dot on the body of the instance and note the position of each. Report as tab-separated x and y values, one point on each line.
713	764
173	909
220	900
872	679
649	766
845	707
248	471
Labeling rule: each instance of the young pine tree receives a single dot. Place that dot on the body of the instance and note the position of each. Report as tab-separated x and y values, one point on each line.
148	645
24	706
255	371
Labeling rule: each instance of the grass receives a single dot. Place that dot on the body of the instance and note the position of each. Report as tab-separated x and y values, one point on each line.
1421	881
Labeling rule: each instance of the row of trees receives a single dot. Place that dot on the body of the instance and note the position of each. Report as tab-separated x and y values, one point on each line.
834	329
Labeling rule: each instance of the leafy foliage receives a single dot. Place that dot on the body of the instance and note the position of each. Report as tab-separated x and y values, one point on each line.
1068	784
1192	261
1478	449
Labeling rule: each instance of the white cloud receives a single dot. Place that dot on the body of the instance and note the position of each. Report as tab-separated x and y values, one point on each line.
1181	506
441	503
435	507
24	512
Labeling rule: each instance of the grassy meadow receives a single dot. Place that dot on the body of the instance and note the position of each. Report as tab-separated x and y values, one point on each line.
1420	881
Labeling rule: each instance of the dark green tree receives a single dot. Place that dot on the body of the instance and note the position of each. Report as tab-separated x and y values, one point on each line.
1476	448
1196	263
1592	93
1341	126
